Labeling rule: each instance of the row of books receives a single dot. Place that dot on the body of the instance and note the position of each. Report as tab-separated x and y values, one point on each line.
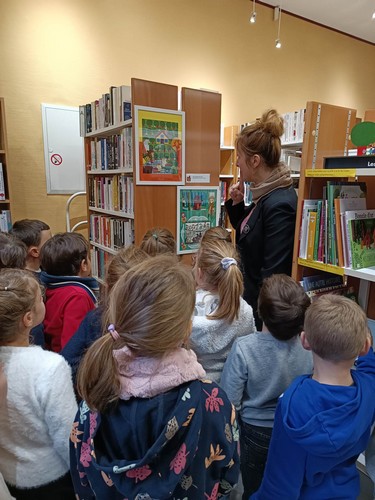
99	261
112	108
324	283
2	183
338	229
294	126
223	191
115	193
5	221
111	232
113	152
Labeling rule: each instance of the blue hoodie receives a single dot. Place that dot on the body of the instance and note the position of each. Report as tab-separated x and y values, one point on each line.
319	432
178	445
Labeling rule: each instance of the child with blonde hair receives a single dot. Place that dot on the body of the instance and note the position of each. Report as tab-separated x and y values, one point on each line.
149	426
158	240
220	315
323	421
35	421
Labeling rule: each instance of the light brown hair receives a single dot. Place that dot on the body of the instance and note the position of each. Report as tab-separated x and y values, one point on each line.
158	240
119	264
63	254
13	251
18	292
282	304
336	328
216	233
151	307
228	282
263	138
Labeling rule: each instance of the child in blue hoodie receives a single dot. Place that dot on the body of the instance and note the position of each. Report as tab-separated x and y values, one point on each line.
323	421
150	426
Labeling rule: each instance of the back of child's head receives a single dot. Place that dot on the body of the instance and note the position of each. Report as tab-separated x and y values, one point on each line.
158	240
151	307
63	254
29	231
218	264
282	304
336	328
18	295
13	251
216	233
120	263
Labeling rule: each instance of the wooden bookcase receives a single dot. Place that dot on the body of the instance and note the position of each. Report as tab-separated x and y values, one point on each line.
5	208
327	134
156	205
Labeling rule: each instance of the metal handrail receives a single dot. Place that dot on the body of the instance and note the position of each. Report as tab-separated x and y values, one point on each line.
67	215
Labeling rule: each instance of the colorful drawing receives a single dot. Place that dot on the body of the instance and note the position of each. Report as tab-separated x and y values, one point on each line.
160	150
198	209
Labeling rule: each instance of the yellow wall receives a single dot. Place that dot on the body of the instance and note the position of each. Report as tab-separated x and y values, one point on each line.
70	51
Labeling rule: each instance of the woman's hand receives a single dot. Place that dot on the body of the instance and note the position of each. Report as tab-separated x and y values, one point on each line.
236	192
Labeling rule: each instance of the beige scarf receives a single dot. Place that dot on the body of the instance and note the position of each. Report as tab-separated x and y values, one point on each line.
280	178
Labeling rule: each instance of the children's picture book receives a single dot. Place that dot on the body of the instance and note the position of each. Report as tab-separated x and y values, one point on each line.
361	237
308	206
343	205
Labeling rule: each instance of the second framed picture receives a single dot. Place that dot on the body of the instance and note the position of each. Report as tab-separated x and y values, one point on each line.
159	146
198	209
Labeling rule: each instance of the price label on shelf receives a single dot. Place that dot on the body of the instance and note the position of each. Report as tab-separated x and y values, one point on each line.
331	172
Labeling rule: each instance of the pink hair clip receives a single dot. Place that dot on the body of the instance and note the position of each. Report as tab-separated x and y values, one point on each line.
112	330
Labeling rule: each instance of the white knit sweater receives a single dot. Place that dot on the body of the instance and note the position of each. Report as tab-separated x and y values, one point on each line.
212	339
36	420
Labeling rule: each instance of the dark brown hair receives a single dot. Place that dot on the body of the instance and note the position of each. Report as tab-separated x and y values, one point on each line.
263	138
282	304
158	240
29	231
13	251
336	328
63	254
151	306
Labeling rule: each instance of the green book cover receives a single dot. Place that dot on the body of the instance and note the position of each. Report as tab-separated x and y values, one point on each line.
361	225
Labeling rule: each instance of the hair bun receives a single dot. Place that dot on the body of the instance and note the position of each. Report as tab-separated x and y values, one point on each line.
272	123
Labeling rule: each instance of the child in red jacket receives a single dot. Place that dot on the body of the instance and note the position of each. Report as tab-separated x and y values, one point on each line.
70	289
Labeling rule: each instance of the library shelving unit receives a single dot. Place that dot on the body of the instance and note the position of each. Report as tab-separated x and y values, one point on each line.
150	205
332	124
228	171
5	209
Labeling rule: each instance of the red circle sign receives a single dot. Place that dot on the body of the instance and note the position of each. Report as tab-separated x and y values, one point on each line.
56	159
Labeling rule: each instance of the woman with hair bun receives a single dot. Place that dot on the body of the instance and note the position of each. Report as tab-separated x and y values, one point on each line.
265	229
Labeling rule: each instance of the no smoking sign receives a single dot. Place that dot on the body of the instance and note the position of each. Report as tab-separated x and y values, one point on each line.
56	159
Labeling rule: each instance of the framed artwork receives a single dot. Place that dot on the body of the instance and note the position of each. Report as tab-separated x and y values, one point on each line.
198	209
159	146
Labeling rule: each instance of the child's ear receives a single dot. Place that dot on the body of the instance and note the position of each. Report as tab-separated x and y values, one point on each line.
27	319
305	342
34	252
366	347
84	266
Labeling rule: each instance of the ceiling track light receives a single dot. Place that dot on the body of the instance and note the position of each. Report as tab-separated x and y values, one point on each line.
373	15
277	16
253	16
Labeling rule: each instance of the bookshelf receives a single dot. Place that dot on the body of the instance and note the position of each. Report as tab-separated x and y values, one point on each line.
334	126
120	211
5	209
228	171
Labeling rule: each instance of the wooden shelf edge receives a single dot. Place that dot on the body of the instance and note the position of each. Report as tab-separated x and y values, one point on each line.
112	212
109	172
321	266
103	247
109	130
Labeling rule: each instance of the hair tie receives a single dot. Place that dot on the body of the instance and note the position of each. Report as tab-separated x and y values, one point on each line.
227	262
112	330
154	235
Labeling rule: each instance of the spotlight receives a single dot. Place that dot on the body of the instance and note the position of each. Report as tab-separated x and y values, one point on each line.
278	43
253	18
373	15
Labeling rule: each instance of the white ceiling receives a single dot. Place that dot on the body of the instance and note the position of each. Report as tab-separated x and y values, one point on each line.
352	17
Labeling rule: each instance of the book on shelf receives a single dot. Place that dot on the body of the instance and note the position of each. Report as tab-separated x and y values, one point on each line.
360	232
325	283
308	206
2	183
294	125
223	191
5	221
112	152
311	229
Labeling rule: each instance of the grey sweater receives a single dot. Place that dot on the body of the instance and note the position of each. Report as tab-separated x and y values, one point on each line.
258	370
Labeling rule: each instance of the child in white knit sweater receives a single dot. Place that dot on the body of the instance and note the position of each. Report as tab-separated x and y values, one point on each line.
220	315
36	419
